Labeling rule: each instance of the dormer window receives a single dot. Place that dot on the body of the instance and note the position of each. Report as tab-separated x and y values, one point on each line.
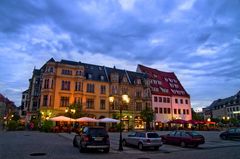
139	81
89	76
102	78
124	79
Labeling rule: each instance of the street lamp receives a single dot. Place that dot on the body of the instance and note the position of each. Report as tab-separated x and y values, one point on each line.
125	100
71	111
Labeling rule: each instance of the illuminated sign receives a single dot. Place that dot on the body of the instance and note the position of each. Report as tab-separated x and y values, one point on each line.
236	112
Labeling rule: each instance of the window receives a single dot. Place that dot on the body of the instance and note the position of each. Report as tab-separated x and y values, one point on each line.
169	110
102	78
155	99
179	111
45	100
139	94
160	99
156	110
184	111
90	104
52	84
114	89
78	100
50	100
46	84
103	89
78	73
138	81
165	110
175	111
186	101
65	85
181	101
168	100
187	111
138	106
102	104
164	100
64	101
160	110
176	100
66	72
90	88
89	76
77	86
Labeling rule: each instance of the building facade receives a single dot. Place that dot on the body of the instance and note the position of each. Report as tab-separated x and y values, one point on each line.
225	108
24	104
7	109
67	82
58	84
169	99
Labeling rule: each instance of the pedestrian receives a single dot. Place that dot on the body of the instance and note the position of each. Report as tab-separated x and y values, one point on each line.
31	126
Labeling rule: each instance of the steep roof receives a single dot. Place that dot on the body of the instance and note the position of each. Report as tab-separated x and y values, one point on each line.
26	91
226	101
131	76
96	72
163	83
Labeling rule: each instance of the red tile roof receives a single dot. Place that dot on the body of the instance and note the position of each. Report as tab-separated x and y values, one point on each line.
163	83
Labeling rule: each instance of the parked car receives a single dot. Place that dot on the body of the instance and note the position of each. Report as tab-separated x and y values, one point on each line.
232	133
92	137
143	140
184	138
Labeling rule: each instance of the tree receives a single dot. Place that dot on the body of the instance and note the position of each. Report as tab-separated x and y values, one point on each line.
196	116
148	116
78	113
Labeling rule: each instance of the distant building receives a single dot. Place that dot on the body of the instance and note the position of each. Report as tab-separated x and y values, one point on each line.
225	108
7	109
169	99
24	104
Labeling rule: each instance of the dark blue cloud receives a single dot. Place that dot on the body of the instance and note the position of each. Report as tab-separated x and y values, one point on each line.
197	39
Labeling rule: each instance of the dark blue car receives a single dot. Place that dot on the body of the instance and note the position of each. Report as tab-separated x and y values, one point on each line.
232	133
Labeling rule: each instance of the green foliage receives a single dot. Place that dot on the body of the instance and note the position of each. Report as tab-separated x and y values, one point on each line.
118	126
12	125
15	117
78	111
148	115
47	126
196	116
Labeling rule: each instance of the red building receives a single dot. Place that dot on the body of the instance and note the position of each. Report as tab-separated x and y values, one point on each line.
169	99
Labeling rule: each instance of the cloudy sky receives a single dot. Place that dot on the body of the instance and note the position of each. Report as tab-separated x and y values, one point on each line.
199	40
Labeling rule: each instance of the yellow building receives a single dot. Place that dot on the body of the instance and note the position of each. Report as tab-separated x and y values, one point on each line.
66	82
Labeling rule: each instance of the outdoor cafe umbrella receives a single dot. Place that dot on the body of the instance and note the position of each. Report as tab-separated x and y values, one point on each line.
61	118
108	120
178	121
86	119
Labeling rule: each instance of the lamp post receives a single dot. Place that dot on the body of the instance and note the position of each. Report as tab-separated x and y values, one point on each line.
71	111
125	100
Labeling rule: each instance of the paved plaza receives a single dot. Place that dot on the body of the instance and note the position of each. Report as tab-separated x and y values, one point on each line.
34	144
